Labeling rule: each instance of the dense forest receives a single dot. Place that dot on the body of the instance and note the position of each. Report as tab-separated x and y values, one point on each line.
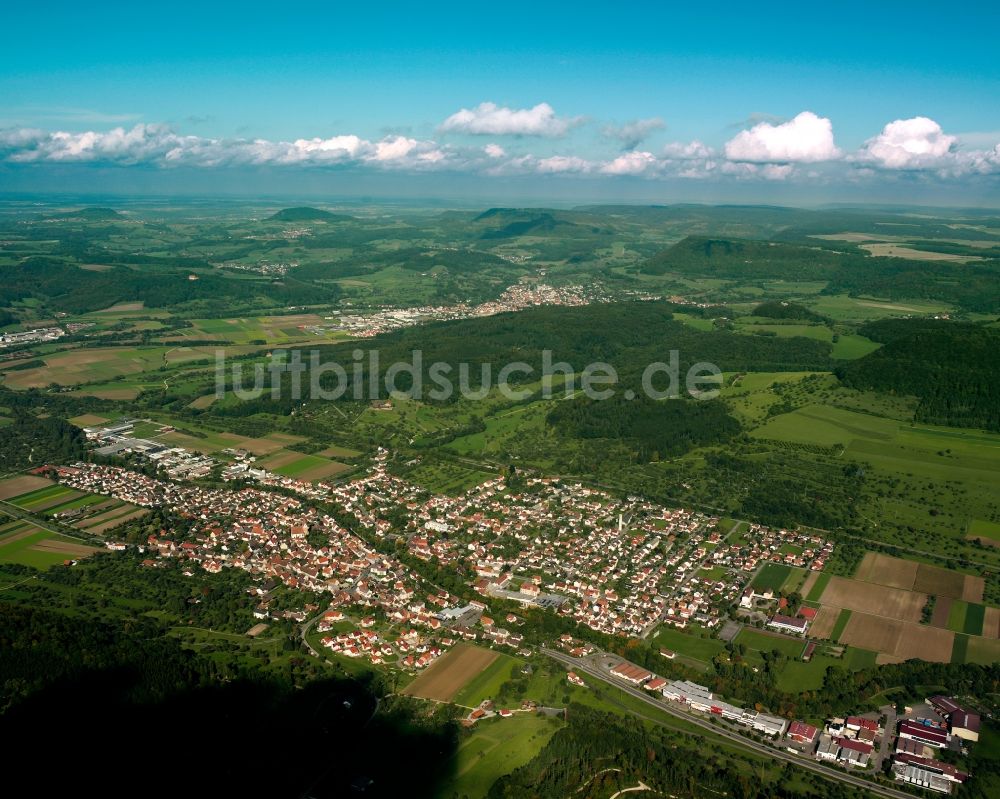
974	286
33	441
952	367
69	288
656	429
792	311
629	336
599	754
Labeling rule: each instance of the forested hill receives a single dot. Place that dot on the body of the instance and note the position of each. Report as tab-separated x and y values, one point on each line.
628	335
69	288
953	367
973	286
33	441
308	214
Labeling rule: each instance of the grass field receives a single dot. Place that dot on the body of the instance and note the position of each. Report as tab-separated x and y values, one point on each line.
759	641
989	532
798	675
486	684
773	576
496	747
818	587
840	624
687	645
965	617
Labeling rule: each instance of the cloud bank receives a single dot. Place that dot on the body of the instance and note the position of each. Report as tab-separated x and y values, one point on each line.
489	119
800	148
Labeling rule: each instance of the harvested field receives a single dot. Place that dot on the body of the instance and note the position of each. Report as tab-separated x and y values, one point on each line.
991	623
926	643
280	459
881	600
339	452
973	588
942	610
446	676
108	525
65	547
88	419
942	582
108	515
923	578
257	446
15	486
322	471
881	659
112	393
822	625
898	639
885	570
871	632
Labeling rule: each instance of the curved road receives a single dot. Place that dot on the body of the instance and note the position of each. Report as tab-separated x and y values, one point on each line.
583	665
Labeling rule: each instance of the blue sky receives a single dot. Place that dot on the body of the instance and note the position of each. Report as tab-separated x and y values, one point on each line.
205	81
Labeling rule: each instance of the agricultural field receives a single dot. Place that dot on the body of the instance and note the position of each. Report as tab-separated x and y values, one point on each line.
881	607
930	487
21	485
271	329
29	545
447	675
302	467
95	365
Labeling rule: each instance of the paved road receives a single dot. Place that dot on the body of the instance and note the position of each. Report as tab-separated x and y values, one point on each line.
884	751
585	666
691	574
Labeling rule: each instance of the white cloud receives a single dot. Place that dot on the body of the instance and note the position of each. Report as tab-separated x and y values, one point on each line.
633	133
806	138
687	151
632	163
916	143
495	151
489	119
776	171
563	163
159	145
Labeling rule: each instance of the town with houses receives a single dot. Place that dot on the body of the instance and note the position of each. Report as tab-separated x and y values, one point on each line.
620	566
514	298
